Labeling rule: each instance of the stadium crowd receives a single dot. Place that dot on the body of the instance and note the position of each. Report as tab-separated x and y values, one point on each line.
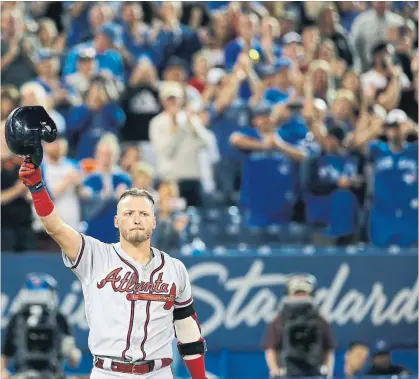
291	122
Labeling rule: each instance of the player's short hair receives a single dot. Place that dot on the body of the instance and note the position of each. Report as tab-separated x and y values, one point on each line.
137	192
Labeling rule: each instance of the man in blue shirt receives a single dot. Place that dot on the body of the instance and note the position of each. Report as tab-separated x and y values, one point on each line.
246	42
62	95
107	58
394	211
268	181
89	121
281	89
227	114
102	189
330	180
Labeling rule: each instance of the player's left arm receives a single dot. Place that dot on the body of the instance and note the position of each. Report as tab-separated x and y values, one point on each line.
191	344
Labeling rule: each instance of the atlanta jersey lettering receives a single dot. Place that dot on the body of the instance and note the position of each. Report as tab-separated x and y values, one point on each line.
129	306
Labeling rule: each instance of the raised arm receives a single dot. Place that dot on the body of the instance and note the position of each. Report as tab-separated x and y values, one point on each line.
390	98
358	138
69	239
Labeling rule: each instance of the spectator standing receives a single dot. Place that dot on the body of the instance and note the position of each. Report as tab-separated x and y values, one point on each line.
142	175
327	51
140	103
86	70
62	178
219	35
342	110
332	177
108	59
369	28
170	232
102	189
176	71
98	115
385	81
227	114
281	89
395	171
32	93
47	37
76	22
348	12
292	47
16	221
178	137
61	95
9	101
320	78
16	65
329	26
100	14
311	39
393	220
246	42
268	184
139	40
200	69
129	157
269	37
174	38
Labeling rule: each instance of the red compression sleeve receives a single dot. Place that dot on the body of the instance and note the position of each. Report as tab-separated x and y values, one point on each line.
196	367
42	202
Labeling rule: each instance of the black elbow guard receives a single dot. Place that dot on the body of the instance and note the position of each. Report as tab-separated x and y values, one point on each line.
198	347
182	313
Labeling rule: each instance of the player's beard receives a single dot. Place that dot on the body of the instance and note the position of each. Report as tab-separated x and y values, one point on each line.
136	237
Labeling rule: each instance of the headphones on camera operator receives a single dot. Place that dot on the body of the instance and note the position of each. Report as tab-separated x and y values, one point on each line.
38	337
301	351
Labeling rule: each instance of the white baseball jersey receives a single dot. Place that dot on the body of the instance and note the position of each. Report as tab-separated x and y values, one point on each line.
129	306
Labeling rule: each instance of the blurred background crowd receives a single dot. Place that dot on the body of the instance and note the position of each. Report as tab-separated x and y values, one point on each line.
250	122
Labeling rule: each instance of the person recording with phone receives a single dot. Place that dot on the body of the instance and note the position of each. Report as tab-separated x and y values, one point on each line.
386	80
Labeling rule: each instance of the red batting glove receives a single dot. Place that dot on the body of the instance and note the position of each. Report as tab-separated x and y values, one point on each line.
32	178
30	175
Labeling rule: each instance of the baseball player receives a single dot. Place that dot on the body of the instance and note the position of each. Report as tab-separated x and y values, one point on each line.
133	292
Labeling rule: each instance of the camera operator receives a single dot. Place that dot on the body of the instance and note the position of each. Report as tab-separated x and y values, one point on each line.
38	336
299	342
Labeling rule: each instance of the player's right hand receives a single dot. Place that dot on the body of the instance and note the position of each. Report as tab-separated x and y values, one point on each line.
29	175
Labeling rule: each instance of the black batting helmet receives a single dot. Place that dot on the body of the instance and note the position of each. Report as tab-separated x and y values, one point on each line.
25	128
